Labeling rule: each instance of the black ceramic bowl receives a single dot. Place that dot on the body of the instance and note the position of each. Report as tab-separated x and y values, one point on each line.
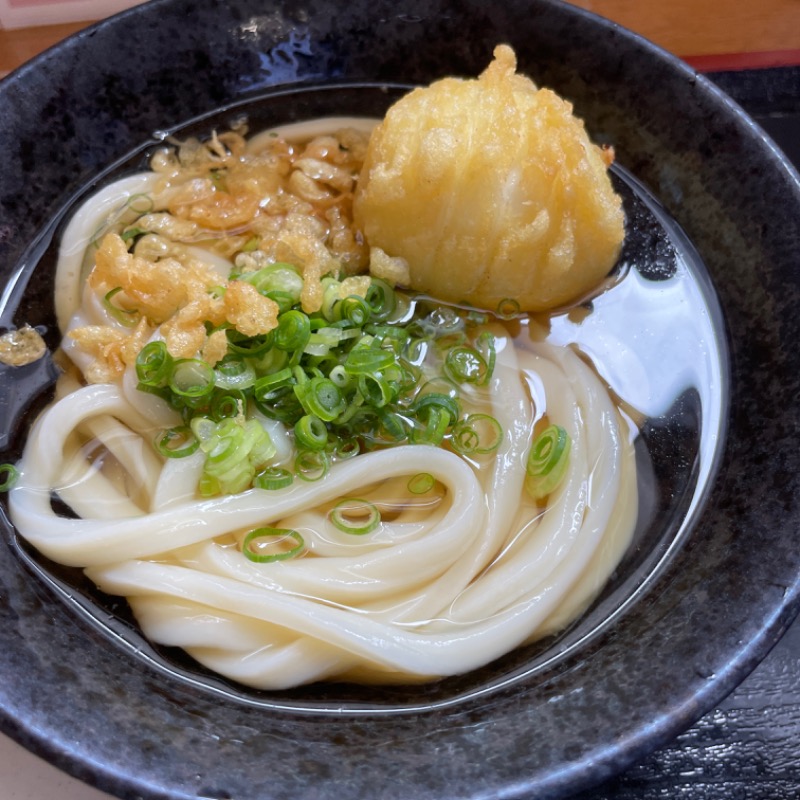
692	613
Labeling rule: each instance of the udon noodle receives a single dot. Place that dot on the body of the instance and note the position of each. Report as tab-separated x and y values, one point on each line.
450	579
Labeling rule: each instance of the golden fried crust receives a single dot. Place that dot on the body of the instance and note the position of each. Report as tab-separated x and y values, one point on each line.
490	189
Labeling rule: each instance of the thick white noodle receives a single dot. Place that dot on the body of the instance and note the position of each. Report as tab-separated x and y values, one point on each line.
423	600
82	229
430	593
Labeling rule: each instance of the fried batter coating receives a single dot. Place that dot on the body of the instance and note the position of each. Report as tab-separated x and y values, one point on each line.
490	189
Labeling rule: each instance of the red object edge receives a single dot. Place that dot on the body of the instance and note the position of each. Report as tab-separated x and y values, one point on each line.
724	62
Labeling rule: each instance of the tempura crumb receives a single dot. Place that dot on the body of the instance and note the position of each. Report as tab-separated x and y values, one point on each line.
21	347
392	269
248	310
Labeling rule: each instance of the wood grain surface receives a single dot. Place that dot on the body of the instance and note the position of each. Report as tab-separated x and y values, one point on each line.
708	27
746	749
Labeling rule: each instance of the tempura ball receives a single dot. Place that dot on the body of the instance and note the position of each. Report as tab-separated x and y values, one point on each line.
492	191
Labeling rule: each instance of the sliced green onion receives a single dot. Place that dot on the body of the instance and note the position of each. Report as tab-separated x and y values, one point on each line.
131	233
345	448
273	478
364	360
478	434
226	445
432	427
234	451
507	308
310	432
436	400
330	298
311	465
340	377
381	299
357	517
394	426
354	309
321	397
442	321
352	410
204	427
140	203
9	475
270	361
154	365
227	404
409	377
391	335
268	387
284	300
279	277
280	404
547	462
375	389
475	317
320	344
279	536
251	244
124	316
191	378
465	365
301	376
293	331
234	373
248	345
487	341
177	442
417	350
421	483
445	343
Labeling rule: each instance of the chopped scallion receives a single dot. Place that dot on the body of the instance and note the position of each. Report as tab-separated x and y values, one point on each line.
312	465
421	483
547	462
273	478
357	517
9	475
465	365
478	434
192	378
365	360
271	543
293	331
310	432
507	308
124	316
154	365
177	442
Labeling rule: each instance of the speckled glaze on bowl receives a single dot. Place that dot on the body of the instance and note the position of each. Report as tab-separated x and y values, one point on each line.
104	714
